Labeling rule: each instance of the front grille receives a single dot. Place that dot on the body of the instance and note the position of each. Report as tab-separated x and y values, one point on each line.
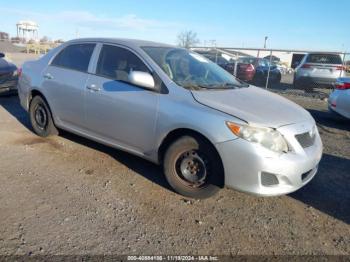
306	139
268	179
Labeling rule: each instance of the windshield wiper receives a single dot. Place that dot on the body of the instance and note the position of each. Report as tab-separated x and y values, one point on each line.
228	86
216	87
197	87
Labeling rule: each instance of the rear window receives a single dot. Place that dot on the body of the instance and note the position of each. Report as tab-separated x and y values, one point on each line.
247	60
324	59
264	62
76	57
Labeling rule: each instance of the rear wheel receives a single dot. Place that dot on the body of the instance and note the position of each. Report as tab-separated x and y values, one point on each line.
278	79
259	80
193	168
296	84
41	118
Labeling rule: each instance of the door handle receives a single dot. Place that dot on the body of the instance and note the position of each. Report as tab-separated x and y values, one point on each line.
48	76
93	87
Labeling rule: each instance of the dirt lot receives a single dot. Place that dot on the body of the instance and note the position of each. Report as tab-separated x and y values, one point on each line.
67	195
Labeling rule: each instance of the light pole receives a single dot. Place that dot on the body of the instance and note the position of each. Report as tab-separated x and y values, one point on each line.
266	37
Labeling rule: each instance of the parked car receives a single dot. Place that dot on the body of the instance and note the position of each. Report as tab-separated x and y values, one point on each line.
274	59
176	108
256	70
339	99
284	69
228	65
8	76
318	70
347	65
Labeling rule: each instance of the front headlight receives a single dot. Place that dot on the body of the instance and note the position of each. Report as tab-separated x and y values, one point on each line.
267	137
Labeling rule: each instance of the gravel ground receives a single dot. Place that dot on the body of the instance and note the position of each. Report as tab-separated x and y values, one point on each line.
69	196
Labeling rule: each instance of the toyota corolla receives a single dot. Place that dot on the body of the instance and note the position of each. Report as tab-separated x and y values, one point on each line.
176	108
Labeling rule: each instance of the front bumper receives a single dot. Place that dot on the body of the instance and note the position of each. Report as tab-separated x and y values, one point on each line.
245	164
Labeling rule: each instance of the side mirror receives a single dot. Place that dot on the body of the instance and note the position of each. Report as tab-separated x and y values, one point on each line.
142	79
2	55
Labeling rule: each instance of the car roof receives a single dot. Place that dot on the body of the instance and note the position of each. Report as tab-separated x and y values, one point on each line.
322	53
121	41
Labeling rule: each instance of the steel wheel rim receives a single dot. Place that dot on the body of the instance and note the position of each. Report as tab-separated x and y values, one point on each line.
40	116
192	168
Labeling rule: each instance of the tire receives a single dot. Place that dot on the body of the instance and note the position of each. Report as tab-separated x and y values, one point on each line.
296	84
278	79
259	80
302	85
41	118
193	154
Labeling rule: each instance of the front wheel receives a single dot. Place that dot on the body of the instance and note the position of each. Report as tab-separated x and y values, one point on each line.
193	168
41	118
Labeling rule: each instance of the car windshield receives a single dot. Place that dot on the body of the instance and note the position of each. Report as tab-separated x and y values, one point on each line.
191	70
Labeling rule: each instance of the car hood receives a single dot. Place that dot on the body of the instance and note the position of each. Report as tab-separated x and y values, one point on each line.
6	67
254	105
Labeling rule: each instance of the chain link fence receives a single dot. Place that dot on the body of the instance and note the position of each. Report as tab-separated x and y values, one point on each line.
306	73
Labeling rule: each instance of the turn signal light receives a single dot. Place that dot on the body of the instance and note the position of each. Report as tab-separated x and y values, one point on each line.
342	86
233	127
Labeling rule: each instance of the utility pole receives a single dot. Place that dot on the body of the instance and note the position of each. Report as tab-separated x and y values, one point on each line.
265	42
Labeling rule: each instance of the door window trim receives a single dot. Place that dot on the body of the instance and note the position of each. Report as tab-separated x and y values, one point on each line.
122	47
160	89
71	44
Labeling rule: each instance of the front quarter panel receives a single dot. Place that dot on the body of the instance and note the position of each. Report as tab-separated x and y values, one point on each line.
180	110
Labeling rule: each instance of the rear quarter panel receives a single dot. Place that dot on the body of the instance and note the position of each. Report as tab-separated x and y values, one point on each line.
32	77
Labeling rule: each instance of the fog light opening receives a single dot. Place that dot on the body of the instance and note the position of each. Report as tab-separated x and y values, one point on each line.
268	179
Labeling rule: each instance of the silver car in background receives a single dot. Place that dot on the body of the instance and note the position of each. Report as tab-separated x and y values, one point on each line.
176	108
339	99
318	70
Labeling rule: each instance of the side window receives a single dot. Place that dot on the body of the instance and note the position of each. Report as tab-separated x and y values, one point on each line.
76	57
116	63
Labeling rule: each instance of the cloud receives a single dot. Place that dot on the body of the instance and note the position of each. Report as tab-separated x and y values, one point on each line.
68	24
126	22
92	21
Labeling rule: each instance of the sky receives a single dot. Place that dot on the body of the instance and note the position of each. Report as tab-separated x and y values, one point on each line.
289	24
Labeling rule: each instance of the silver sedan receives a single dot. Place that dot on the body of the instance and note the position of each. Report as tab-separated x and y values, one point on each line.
176	108
339	100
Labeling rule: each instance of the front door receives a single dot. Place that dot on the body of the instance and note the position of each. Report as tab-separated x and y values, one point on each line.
116	110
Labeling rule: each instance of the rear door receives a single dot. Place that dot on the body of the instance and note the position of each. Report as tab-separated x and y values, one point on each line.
65	81
117	111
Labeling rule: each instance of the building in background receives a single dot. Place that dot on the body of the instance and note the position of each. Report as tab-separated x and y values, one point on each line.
4	36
